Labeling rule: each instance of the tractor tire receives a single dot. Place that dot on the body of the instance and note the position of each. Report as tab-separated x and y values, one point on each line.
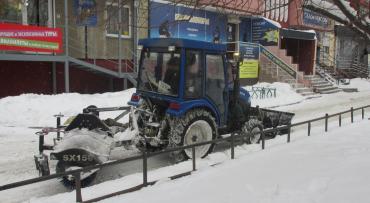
194	127
70	184
252	126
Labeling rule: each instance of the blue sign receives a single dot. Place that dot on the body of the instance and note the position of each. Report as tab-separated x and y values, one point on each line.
249	51
85	12
264	32
258	30
168	20
312	18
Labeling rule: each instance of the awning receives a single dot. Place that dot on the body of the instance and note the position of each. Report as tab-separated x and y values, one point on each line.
297	34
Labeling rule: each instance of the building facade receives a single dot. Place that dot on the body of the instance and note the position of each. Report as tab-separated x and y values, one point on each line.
100	37
99	42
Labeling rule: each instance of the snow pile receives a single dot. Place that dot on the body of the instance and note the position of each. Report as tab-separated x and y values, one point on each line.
277	24
333	170
285	95
359	83
38	110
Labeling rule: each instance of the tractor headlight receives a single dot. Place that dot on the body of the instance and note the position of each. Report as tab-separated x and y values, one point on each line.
236	56
171	48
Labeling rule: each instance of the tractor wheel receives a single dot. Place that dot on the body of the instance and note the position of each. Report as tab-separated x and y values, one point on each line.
194	127
251	127
69	182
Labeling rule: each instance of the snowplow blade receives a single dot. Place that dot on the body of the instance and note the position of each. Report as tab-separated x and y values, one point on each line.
272	118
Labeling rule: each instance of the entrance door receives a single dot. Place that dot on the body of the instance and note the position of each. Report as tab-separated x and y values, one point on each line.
215	83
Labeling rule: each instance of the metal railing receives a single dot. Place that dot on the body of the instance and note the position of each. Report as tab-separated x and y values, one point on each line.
145	155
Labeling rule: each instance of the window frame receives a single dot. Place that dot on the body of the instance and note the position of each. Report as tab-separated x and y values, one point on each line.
129	20
162	51
201	68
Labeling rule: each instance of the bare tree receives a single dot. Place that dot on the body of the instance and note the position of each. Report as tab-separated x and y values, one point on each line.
342	12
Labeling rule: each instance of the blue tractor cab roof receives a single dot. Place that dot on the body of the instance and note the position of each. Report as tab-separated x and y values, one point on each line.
182	43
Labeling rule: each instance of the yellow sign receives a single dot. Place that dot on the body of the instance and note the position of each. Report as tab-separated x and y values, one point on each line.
248	68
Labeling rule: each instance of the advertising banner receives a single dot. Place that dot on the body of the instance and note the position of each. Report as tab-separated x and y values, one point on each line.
312	18
175	21
264	32
249	54
14	37
248	68
258	30
85	12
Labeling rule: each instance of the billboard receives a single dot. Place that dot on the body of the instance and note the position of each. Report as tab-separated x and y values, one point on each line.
259	30
15	37
264	32
175	21
312	18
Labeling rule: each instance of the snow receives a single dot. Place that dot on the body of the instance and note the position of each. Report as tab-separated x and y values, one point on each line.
334	170
285	95
360	83
272	22
38	110
328	6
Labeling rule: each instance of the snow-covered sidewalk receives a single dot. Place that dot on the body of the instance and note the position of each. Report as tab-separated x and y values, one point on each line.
333	167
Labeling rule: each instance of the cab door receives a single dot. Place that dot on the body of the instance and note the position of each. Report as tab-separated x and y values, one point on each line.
215	83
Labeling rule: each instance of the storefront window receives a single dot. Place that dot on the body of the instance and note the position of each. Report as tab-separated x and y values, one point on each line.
28	12
37	12
113	11
11	11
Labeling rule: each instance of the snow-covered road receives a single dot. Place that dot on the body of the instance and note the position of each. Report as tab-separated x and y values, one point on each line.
18	144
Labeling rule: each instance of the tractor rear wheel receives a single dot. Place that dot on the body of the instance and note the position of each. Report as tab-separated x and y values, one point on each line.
195	126
252	128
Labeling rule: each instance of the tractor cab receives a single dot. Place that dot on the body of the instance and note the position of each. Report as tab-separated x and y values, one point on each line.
181	74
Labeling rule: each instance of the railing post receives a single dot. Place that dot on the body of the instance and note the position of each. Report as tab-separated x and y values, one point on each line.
309	128
232	146
363	113
263	139
288	134
41	142
78	187
58	124
351	114
145	169
326	122
193	156
340	120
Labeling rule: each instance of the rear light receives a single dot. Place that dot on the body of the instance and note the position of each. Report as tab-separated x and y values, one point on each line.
135	98
175	106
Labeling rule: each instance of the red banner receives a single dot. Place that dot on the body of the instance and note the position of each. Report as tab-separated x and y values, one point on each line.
15	37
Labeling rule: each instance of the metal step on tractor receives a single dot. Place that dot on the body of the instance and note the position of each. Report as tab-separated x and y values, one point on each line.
187	92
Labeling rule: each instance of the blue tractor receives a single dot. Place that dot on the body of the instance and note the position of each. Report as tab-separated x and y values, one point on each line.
187	92
190	93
